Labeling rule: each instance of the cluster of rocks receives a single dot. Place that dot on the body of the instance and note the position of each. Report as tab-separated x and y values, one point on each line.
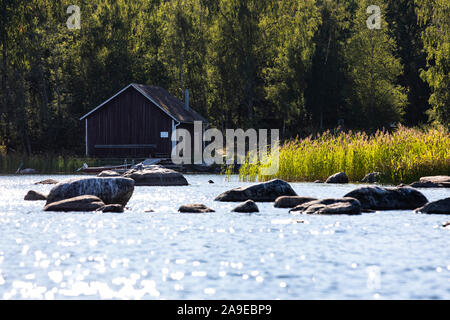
153	175
86	194
363	199
111	192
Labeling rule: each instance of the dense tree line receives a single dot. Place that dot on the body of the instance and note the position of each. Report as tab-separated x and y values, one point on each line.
299	65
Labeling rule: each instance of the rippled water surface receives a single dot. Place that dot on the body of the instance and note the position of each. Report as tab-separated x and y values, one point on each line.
221	255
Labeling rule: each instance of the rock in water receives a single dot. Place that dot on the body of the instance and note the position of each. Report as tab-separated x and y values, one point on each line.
247	207
432	182
47	181
291	201
379	198
156	176
437	207
371	177
446	224
110	190
28	171
35	196
108	173
195	208
82	203
261	192
339	177
118	208
329	206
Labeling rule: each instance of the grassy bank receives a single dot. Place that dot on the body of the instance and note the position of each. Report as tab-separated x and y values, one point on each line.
402	156
48	164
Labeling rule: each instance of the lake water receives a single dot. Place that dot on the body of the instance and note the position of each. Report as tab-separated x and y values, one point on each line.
221	255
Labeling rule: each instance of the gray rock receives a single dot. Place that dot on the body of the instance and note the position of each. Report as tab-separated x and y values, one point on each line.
110	190
34	196
291	201
247	207
380	198
432	182
371	177
108	173
118	208
28	171
195	208
47	181
339	177
436	207
82	203
156	176
330	206
262	192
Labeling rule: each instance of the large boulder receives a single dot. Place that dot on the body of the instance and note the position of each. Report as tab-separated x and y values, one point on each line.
156	176
380	198
110	190
436	207
108	174
247	207
371	177
329	206
291	201
432	182
195	208
34	196
339	177
261	192
81	203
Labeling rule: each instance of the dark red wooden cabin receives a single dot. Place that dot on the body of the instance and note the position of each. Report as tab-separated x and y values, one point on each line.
137	122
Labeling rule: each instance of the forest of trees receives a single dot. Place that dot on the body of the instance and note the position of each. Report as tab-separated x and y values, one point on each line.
299	65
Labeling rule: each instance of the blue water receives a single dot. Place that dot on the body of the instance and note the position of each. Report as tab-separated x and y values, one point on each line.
221	255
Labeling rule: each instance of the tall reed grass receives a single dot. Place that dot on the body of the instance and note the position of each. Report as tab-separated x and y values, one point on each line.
402	156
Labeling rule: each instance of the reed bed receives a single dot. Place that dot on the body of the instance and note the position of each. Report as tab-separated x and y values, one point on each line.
402	156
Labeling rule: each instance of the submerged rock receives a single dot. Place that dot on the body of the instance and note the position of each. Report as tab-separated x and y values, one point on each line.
432	182
446	224
291	201
210	182
195	208
109	190
47	181
156	176
329	206
261	192
371	177
436	207
109	173
34	196
28	171
380	198
247	207
82	203
339	177
118	208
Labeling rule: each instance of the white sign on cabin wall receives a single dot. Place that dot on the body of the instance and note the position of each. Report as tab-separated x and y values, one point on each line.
164	134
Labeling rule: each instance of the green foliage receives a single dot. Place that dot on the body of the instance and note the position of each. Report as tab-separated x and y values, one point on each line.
375	100
402	156
434	15
296	65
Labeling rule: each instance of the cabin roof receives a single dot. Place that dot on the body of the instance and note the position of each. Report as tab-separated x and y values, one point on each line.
170	105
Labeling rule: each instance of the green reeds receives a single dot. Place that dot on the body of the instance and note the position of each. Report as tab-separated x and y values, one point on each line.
402	156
